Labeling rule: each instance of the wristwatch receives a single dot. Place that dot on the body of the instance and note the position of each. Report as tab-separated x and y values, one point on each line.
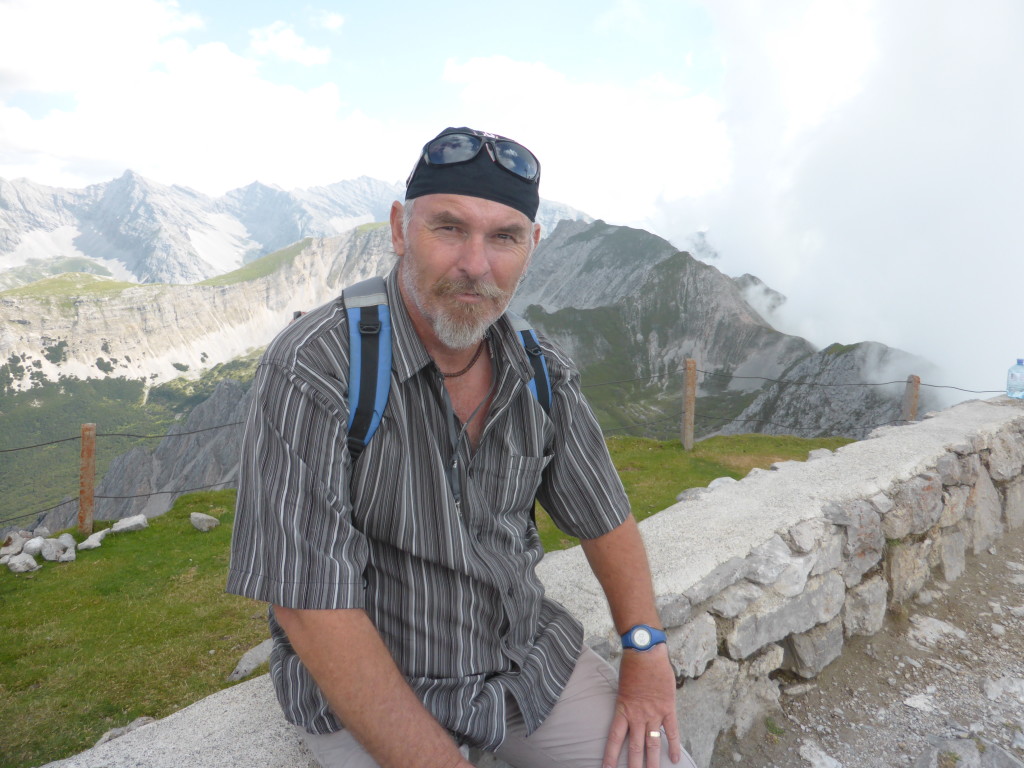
642	637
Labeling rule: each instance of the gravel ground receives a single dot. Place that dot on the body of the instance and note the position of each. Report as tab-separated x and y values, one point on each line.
949	667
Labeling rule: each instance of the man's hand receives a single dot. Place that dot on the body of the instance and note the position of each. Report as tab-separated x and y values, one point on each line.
646	704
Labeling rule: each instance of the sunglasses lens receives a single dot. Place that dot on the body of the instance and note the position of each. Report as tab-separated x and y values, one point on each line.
453	148
518	159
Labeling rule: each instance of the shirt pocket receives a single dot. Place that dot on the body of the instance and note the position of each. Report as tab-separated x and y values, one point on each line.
508	487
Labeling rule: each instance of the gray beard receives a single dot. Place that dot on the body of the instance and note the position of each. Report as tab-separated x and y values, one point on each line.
452	331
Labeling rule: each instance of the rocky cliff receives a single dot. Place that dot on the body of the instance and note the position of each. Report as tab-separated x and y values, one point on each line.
87	326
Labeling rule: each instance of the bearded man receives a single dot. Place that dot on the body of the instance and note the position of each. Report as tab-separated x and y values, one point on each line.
407	617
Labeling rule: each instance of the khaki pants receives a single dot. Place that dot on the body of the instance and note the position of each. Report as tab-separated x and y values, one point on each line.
572	736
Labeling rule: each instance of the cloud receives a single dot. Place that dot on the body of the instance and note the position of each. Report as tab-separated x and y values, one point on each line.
885	207
653	138
65	45
283	42
330	20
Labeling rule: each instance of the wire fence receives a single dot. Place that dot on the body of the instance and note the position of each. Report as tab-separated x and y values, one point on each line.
716	421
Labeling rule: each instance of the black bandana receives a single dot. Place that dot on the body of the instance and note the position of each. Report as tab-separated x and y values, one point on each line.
479	177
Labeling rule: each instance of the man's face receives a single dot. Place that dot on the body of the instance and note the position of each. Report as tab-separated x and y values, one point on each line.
460	261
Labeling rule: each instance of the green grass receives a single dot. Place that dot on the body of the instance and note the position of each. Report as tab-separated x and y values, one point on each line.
55	411
261	267
68	286
127	630
140	626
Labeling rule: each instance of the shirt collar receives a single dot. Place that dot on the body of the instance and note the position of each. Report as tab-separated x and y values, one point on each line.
409	356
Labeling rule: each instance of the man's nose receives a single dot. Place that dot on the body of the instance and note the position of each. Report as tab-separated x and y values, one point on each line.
473	258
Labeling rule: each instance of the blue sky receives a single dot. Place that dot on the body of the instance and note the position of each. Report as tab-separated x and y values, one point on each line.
861	156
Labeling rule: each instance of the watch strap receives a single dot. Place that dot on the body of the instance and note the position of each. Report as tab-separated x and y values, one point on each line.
657	637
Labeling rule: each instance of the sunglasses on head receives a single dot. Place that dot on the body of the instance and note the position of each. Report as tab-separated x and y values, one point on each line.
455	148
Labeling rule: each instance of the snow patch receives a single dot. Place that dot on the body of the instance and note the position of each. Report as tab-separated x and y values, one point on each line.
223	244
43	244
341	224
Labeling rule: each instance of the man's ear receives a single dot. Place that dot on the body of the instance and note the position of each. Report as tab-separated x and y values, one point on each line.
397	236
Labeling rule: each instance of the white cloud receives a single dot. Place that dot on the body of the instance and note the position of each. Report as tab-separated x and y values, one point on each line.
282	41
330	20
64	45
621	147
885	207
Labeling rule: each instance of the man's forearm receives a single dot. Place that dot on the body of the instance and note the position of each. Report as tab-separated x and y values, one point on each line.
366	690
619	562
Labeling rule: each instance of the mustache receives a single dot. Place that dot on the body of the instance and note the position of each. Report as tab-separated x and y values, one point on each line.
453	287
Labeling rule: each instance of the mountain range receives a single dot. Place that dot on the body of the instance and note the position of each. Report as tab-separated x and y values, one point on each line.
136	230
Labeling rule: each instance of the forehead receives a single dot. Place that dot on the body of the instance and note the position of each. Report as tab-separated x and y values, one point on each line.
471	209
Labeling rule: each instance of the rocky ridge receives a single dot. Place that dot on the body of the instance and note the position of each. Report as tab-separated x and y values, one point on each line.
138	230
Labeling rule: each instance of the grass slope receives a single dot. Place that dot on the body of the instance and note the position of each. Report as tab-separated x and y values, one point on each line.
142	626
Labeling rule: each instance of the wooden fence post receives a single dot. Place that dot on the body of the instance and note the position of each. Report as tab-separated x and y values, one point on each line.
689	402
87	479
910	398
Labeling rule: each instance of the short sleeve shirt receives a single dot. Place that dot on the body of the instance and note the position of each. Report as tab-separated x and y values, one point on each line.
449	583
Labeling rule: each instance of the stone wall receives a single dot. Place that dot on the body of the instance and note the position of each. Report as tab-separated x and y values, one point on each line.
776	571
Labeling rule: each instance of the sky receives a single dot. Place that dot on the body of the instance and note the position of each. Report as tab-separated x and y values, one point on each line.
863	157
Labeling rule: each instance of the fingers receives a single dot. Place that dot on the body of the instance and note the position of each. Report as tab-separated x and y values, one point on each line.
675	746
616	737
653	741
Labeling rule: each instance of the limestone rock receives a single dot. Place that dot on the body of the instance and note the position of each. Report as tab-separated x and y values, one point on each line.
22	563
816	757
917	507
1015	503
926	631
755	692
732	601
949	469
907	565
726	574
52	549
865	541
864	609
128	524
768	561
810	652
203	522
954	505
809	535
1006	457
693	646
951	553
703	706
33	546
15	543
673	609
773	617
95	540
252	659
984	510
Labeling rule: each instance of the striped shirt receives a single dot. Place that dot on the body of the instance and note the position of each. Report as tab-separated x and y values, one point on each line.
451	588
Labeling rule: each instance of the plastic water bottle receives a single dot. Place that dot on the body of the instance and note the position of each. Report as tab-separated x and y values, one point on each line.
1015	380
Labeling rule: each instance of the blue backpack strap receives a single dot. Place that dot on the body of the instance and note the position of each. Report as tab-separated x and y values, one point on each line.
369	355
540	384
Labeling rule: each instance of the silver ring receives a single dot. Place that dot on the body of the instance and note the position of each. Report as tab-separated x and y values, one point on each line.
654	734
